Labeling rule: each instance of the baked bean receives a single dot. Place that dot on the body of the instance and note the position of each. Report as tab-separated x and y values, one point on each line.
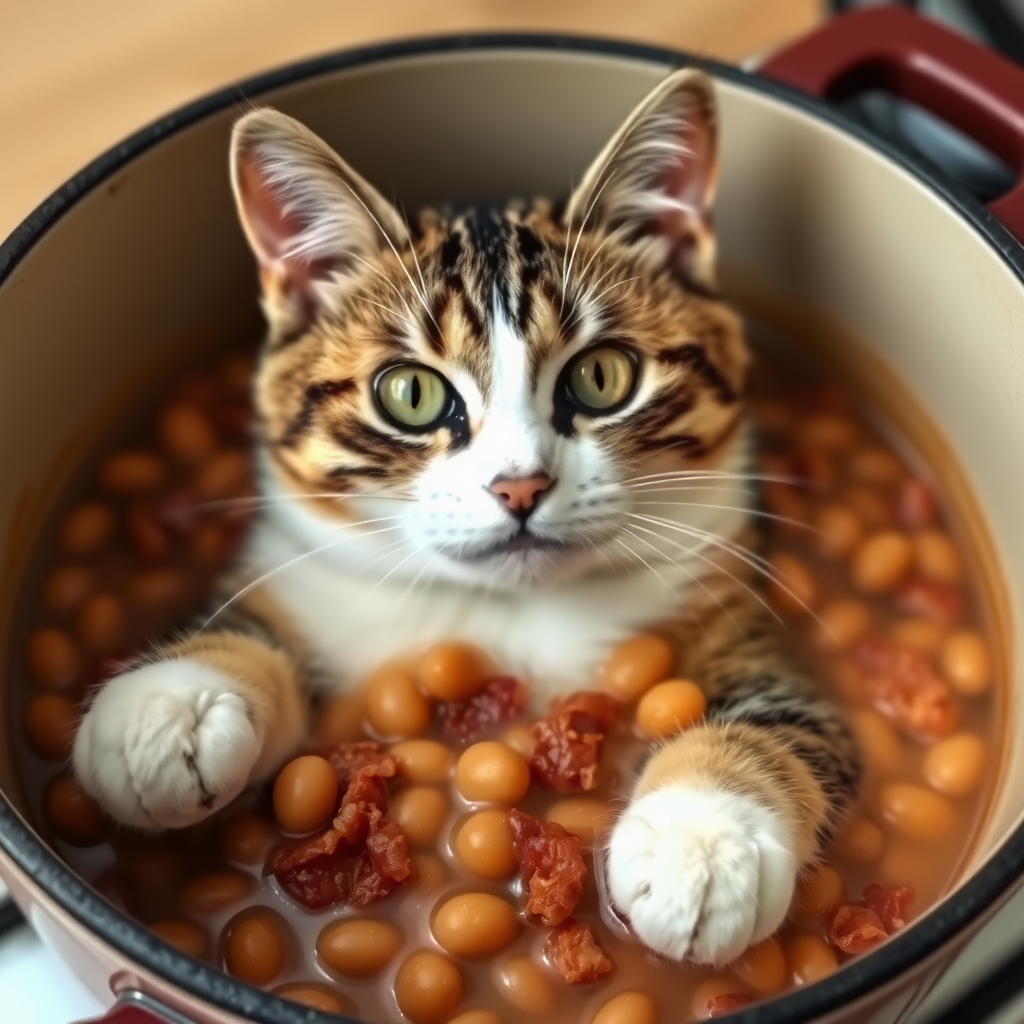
922	635
428	871
954	766
428	988
52	658
305	794
184	936
255	948
360	947
86	529
211	542
627	1008
483	843
827	432
156	587
74	815
839	530
916	505
316	997
966	664
902	860
635	665
792	588
394	704
879	745
819	890
476	1017
423	760
881	561
216	890
520	739
492	773
99	622
848	679
134	472
713	988
810	958
916	812
67	587
937	557
341	719
50	724
875	465
762	967
245	838
583	816
186	434
861	841
474	925
452	671
669	708
420	812
526	986
870	507
841	624
226	475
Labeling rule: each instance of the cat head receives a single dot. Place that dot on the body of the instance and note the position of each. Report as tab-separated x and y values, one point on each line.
494	393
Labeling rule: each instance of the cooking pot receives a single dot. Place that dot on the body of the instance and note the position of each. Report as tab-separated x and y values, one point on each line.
918	288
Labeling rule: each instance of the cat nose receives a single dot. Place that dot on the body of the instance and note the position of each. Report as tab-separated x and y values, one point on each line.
520	494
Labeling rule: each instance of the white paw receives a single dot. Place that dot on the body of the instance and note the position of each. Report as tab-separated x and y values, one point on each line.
166	745
701	874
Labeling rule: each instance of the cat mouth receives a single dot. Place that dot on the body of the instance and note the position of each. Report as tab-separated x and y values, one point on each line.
521	543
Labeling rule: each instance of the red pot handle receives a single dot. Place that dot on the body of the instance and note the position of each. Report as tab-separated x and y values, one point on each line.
891	48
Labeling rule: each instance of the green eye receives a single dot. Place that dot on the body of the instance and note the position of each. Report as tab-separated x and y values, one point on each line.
602	379
413	396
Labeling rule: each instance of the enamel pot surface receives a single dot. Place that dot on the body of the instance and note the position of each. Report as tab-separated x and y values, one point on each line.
139	260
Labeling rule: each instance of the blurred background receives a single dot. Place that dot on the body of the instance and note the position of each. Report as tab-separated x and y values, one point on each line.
76	76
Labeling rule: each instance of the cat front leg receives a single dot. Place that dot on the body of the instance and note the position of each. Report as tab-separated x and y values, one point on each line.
180	735
705	858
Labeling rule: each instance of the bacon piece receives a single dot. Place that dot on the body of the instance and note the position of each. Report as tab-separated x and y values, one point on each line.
890	903
720	1006
931	600
352	878
551	864
855	929
498	700
567	744
360	856
915	505
572	948
905	687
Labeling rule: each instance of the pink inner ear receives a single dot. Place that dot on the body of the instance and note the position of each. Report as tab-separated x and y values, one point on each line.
272	232
270	228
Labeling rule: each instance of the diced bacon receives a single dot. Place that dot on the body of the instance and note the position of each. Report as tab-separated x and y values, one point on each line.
572	948
552	866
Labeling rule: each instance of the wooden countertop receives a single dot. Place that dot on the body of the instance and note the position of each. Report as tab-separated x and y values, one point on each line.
78	75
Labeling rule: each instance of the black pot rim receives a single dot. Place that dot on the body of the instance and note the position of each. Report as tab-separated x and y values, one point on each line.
31	855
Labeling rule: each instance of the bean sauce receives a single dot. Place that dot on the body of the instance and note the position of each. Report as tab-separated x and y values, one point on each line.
872	582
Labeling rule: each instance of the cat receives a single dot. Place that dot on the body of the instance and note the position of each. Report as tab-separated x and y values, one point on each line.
462	424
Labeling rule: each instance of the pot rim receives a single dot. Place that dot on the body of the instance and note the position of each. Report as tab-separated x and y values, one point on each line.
856	979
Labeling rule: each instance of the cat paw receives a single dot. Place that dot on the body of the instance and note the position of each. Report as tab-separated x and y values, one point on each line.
701	875
166	745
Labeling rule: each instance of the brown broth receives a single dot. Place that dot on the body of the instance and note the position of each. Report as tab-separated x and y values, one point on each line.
145	875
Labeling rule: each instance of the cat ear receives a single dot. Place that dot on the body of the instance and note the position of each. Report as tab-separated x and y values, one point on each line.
311	220
655	181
